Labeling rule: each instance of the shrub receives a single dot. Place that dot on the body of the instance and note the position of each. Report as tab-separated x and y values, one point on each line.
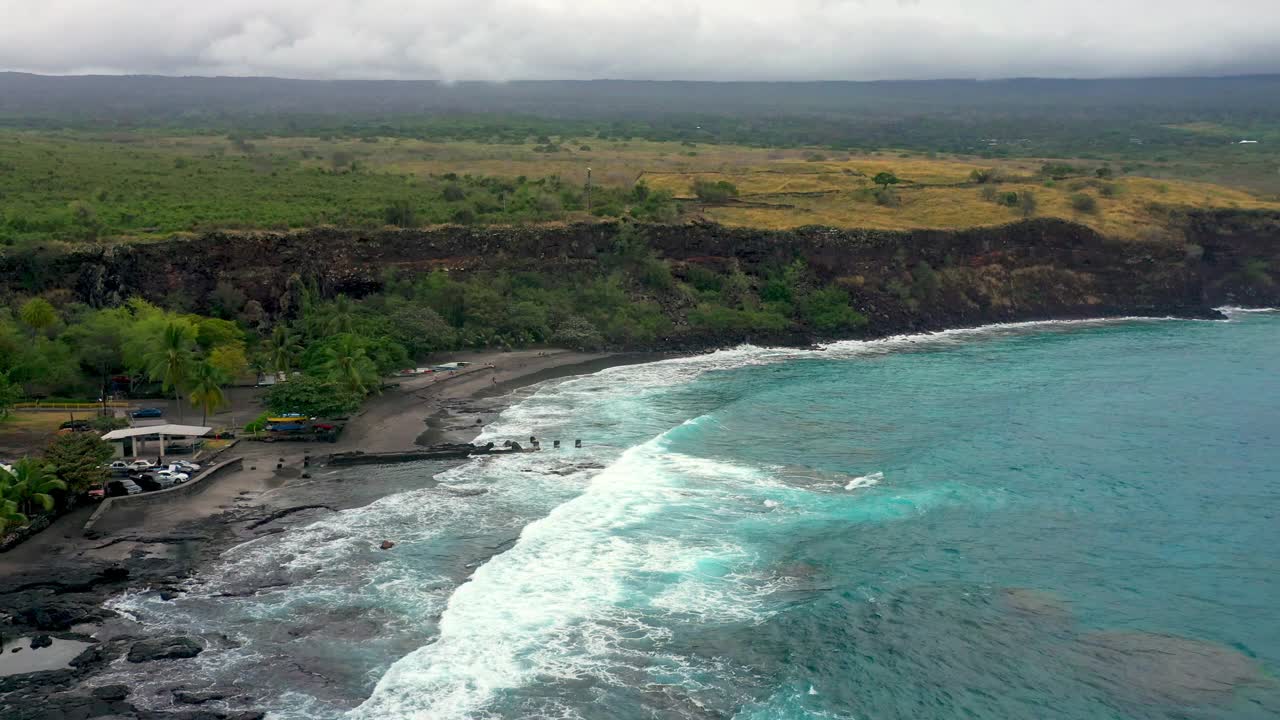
453	193
576	332
986	175
1028	203
1084	203
887	198
714	192
400	213
828	310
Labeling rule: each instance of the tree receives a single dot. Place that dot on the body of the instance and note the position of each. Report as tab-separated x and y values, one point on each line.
346	363
77	458
339	316
885	179
206	389
30	484
282	348
9	394
1103	172
170	358
38	315
99	342
230	360
313	397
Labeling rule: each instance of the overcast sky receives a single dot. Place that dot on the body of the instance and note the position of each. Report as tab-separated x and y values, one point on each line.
642	39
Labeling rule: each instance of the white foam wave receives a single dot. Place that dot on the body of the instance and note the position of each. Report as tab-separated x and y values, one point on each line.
574	597
865	481
1231	311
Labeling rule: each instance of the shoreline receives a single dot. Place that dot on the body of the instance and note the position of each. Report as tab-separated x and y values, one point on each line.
59	580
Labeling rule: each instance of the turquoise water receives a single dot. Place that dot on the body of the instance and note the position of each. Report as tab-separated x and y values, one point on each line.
1059	520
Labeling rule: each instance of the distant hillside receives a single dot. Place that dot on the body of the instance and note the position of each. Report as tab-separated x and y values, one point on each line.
133	98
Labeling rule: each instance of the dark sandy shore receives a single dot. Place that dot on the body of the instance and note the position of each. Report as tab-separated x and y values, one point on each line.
52	588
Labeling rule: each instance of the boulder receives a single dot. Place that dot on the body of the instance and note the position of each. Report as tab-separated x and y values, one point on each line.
165	648
41	641
55	616
387	545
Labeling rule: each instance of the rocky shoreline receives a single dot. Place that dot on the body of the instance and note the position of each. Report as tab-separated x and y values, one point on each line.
59	598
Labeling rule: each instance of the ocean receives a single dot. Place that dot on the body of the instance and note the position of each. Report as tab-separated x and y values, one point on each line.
1044	520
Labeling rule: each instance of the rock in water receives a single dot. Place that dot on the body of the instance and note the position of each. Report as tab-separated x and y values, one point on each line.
167	648
41	641
387	545
197	698
111	693
1166	667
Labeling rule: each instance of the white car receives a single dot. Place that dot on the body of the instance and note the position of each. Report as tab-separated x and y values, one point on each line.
186	467
177	477
138	465
119	467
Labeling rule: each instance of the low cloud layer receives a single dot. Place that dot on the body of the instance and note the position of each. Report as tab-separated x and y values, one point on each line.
657	39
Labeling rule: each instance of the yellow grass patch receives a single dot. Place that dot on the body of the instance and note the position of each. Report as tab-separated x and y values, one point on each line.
783	187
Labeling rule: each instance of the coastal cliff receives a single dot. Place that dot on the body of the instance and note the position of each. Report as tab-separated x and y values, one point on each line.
901	281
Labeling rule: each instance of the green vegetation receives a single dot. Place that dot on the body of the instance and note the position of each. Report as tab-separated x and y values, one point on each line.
26	490
78	188
714	192
885	179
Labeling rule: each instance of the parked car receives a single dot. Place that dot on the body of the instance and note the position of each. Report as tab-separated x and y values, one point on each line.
174	477
123	486
186	466
119	467
148	413
141	465
97	492
149	481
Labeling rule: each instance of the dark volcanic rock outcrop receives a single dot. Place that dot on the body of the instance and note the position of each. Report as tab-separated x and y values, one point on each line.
165	648
903	281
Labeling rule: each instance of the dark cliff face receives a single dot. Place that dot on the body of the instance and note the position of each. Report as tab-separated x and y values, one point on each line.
902	281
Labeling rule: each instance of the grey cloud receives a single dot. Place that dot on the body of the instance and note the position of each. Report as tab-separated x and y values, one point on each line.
658	39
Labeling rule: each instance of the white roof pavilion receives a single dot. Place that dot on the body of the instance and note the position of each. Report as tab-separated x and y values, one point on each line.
192	431
184	430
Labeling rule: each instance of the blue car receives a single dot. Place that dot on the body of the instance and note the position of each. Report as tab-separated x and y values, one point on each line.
148	413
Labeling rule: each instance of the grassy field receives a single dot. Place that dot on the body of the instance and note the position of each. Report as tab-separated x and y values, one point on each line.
141	185
26	431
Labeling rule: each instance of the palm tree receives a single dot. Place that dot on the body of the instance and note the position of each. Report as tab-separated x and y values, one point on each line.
170	359
340	315
9	514
346	363
30	484
206	389
282	348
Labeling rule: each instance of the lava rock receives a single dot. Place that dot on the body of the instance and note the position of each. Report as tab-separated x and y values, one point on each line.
55	616
387	545
165	648
41	641
111	693
197	698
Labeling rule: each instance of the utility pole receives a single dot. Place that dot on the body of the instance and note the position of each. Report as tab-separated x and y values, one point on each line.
588	189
